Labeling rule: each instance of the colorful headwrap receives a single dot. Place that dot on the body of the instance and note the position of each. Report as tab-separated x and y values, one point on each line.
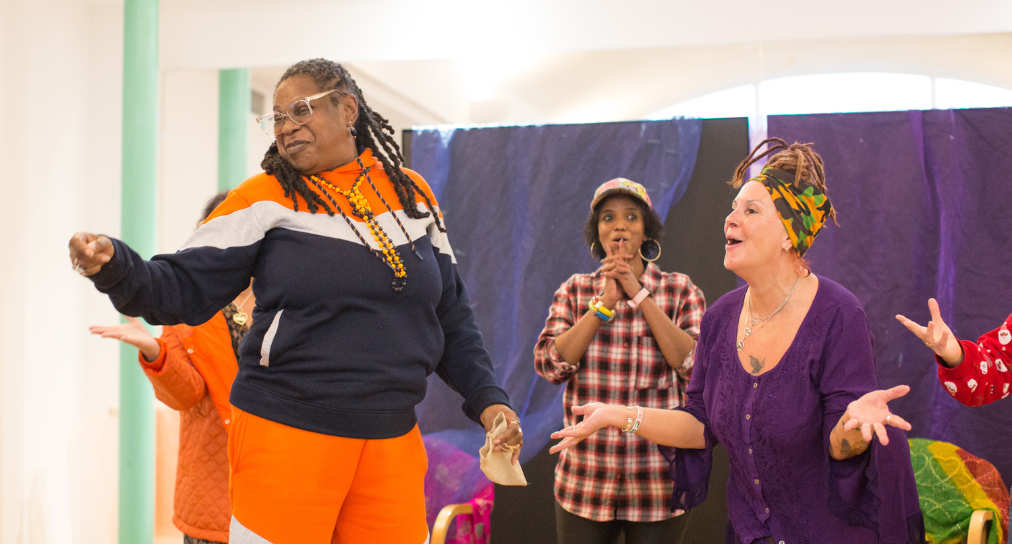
803	210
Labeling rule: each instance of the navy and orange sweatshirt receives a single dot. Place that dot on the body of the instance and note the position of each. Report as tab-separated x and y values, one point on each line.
333	348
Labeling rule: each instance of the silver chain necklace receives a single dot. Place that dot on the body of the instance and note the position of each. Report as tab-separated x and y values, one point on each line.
752	320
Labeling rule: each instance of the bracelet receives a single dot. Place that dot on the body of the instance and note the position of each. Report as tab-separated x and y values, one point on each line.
633	426
628	424
602	313
639	298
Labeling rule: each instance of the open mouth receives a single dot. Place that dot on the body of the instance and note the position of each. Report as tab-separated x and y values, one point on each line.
619	239
731	242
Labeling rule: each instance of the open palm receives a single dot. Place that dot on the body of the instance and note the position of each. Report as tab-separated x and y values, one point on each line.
132	332
871	413
594	417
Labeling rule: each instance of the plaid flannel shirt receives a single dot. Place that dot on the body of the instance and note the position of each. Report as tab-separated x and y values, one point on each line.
614	475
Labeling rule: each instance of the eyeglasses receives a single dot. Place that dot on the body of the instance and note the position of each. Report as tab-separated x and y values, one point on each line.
300	112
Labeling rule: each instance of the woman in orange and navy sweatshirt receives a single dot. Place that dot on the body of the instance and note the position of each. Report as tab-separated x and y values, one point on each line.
358	301
192	369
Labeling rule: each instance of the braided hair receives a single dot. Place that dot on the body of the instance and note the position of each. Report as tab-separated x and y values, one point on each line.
372	131
800	159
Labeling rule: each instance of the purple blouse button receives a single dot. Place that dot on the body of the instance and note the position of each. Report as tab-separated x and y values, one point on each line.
750	451
757	481
755	384
767	510
748	416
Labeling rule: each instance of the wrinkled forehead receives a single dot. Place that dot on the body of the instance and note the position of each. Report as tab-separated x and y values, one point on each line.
753	191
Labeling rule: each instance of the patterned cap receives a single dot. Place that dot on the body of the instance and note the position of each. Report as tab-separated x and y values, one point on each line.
621	185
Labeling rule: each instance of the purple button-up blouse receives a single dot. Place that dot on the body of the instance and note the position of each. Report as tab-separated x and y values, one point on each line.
783	483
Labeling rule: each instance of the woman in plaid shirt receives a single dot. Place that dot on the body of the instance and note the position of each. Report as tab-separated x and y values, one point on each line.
621	335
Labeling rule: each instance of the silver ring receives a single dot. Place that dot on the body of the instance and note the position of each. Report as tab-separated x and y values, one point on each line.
887	419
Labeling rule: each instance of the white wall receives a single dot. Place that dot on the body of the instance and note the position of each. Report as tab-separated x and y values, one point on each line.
188	154
60	172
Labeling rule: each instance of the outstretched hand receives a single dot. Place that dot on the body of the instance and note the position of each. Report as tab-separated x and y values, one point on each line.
936	335
871	413
132	332
89	252
594	419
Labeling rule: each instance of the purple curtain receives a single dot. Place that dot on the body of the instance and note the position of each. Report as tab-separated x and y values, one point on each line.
515	201
924	200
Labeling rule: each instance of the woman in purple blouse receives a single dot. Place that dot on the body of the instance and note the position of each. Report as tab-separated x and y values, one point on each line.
785	379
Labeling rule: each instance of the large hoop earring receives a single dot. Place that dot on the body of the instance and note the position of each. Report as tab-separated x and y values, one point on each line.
658	256
592	244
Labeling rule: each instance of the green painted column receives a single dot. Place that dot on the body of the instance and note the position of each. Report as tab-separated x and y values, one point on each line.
140	150
233	126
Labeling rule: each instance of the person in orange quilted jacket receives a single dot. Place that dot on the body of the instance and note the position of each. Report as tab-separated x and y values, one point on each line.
192	369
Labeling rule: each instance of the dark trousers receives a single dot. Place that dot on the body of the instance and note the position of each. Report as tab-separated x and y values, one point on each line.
573	529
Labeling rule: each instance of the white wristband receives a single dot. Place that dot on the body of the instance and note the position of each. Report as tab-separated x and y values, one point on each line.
639	298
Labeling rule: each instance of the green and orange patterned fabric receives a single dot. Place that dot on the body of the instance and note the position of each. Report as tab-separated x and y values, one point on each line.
952	484
803	209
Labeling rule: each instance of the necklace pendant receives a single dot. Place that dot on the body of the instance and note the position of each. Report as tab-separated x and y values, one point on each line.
740	344
748	331
240	318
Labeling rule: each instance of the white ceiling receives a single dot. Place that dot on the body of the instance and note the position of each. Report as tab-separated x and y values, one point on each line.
610	85
231	33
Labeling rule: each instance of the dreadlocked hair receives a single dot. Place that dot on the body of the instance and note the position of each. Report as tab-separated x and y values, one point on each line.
372	131
800	159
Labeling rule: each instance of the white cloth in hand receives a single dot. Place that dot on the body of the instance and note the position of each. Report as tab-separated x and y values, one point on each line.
498	465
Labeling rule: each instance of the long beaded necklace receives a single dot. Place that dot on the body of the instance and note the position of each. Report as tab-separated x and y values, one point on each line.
752	320
361	209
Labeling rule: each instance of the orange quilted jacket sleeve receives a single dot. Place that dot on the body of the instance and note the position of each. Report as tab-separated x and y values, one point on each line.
177	383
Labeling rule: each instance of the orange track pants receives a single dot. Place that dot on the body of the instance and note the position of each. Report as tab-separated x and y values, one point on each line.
290	486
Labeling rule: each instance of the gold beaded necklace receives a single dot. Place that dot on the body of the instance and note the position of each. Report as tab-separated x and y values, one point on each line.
362	209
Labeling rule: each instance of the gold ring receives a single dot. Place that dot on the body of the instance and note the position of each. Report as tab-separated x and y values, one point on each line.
932	346
580	430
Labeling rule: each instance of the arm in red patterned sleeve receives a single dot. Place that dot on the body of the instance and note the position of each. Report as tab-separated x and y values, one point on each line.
984	375
561	317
